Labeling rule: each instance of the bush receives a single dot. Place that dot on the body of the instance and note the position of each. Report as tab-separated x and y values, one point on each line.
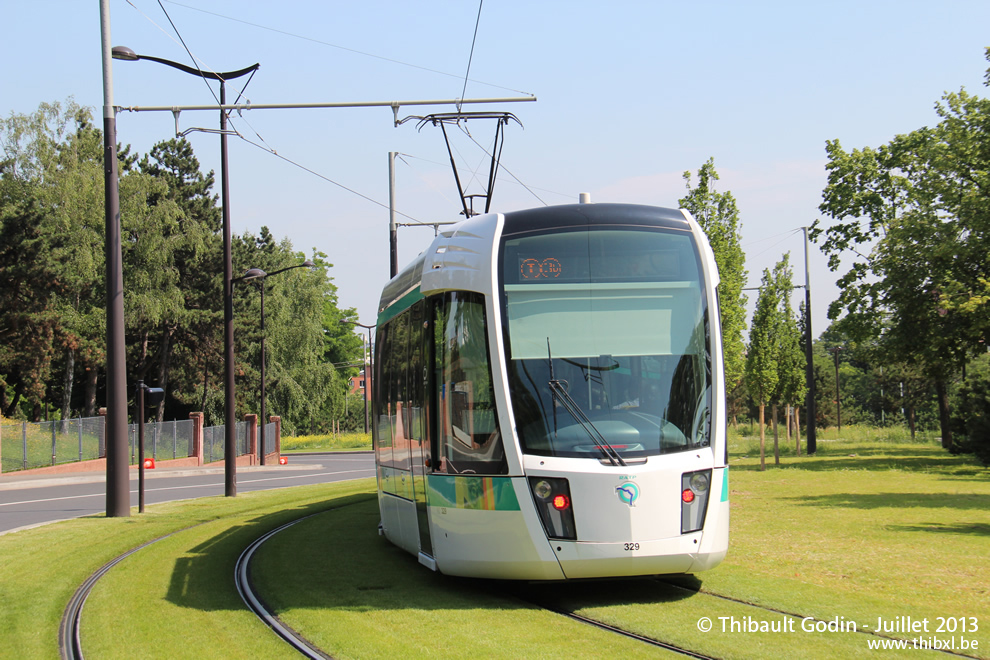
971	411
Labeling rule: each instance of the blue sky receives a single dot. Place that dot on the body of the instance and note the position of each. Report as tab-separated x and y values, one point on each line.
630	95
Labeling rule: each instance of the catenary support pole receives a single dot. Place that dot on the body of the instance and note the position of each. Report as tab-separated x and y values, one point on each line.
230	423
809	406
118	480
393	239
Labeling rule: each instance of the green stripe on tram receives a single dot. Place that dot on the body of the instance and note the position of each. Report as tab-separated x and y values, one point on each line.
472	492
725	484
400	305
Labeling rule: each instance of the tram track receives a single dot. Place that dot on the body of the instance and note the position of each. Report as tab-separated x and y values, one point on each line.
70	646
69	633
624	633
242	579
778	611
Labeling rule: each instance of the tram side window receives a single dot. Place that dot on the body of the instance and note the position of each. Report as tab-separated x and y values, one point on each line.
399	398
469	438
381	400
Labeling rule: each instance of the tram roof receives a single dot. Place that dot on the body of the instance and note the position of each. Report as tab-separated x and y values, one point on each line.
577	215
407	281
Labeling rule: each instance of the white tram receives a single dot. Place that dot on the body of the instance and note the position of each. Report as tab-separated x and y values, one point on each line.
549	399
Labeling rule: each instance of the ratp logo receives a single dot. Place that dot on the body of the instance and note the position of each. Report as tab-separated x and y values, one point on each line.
628	493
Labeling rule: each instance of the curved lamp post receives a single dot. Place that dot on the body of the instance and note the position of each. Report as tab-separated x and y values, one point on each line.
258	274
230	429
367	367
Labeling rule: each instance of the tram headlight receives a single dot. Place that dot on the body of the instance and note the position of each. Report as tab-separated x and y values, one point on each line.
552	497
695	487
542	489
699	481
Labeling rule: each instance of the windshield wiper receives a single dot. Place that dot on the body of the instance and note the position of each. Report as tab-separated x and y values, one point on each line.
559	393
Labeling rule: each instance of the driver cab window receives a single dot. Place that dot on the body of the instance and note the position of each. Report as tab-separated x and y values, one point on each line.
469	441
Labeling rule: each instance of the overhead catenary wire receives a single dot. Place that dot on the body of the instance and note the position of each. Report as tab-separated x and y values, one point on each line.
507	170
474	40
263	144
786	235
264	147
344	48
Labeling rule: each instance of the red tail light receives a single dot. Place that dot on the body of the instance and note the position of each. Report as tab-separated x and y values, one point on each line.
561	502
688	495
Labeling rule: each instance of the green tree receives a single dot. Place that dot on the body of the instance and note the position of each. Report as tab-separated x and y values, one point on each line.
763	357
718	216
971	415
913	216
55	156
184	342
792	381
303	386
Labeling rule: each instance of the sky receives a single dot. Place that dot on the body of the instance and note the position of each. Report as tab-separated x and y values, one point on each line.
628	96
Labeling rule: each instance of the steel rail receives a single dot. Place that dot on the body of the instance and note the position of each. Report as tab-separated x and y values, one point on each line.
243	581
794	615
69	644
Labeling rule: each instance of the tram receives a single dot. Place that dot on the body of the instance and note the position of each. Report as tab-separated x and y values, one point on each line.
548	399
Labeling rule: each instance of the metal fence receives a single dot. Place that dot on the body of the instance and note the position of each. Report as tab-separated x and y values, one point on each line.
28	445
164	441
214	441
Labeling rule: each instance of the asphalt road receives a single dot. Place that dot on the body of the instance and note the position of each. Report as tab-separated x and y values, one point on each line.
30	501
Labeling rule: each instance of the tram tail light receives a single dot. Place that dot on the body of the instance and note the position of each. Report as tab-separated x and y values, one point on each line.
552	497
695	487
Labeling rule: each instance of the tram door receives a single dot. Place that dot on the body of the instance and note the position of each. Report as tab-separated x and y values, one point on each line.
420	354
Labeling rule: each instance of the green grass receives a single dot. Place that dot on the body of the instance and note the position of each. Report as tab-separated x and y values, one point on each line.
866	528
42	568
343	442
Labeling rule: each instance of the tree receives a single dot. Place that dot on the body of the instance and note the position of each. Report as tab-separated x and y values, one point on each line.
303	385
971	416
185	339
913	214
764	355
55	156
792	384
718	216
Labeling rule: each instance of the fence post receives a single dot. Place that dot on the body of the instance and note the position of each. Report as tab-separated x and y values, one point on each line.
80	437
197	436
252	437
102	451
24	444
53	442
278	434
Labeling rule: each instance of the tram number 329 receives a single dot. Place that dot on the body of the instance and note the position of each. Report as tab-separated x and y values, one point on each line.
629	547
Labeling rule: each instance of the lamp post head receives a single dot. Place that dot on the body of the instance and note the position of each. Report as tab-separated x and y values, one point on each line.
253	274
308	264
124	53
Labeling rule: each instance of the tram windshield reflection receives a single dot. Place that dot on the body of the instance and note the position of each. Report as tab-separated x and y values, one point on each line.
618	318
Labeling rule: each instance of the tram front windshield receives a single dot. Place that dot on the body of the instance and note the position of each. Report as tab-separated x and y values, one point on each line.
607	342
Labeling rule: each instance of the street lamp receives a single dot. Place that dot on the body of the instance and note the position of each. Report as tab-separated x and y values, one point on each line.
367	368
150	396
230	430
838	410
258	274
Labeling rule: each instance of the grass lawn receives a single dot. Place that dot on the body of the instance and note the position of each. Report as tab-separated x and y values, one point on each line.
343	442
867	528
